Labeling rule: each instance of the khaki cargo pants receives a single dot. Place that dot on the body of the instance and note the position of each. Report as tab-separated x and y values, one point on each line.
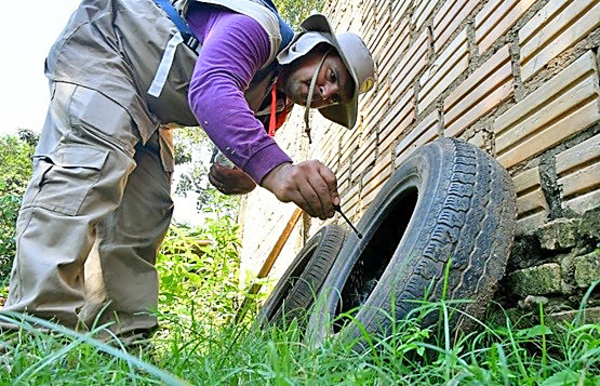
94	214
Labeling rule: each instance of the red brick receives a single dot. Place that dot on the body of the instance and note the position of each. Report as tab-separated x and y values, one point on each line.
349	144
578	169
580	181
574	120
527	180
378	107
343	176
578	155
532	207
531	201
397	45
368	25
425	132
368	199
379	37
531	223
399	7
479	139
374	179
365	155
343	14
368	4
583	203
396	121
423	10
350	201
563	106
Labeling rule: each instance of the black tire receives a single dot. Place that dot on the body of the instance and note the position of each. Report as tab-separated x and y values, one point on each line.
296	290
448	200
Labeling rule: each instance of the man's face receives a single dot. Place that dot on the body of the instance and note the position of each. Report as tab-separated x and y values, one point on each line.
333	81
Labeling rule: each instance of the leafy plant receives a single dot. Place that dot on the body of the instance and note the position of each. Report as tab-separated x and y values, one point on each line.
199	268
193	150
294	11
15	171
15	162
9	210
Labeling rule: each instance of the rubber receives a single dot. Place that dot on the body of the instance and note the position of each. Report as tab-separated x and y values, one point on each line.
296	290
449	205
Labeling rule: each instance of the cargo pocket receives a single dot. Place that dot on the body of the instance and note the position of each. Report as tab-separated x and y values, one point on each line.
93	115
69	174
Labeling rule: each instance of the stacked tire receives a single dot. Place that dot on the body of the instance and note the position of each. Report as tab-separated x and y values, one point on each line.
297	288
441	227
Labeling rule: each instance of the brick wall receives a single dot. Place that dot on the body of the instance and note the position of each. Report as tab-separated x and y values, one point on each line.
518	78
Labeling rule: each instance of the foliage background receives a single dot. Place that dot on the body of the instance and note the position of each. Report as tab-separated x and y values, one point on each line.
294	11
15	170
199	270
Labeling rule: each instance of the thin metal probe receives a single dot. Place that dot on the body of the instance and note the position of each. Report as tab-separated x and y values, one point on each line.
338	209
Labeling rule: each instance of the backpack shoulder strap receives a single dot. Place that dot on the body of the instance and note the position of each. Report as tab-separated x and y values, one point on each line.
189	39
287	34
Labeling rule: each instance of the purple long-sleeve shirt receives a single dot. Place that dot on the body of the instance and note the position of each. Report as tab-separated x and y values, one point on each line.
234	47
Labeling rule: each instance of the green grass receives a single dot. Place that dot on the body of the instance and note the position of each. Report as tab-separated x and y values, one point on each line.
188	350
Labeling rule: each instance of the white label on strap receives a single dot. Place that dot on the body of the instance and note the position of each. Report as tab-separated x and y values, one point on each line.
160	78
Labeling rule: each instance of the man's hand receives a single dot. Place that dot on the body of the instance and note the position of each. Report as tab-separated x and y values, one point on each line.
310	185
230	181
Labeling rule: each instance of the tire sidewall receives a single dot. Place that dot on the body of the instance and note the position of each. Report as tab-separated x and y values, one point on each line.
454	219
422	169
312	253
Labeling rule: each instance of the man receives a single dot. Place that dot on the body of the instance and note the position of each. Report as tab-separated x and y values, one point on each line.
99	194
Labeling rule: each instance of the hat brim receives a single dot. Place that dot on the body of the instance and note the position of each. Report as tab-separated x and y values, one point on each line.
344	114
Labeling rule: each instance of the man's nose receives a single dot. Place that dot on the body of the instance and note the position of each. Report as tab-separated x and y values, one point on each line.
327	90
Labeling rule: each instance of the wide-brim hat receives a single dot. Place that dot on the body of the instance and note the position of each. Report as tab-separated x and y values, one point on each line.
354	54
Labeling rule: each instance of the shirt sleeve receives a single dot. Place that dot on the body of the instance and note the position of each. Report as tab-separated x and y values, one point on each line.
233	49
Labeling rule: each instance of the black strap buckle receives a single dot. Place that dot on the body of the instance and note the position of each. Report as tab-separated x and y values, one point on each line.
192	42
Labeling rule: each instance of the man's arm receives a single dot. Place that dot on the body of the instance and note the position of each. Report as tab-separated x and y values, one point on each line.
233	49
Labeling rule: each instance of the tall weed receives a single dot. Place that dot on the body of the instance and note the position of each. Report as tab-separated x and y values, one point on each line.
199	271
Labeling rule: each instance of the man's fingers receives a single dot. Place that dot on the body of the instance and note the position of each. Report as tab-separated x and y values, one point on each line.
218	185
310	184
301	201
322	195
311	199
230	181
331	181
318	185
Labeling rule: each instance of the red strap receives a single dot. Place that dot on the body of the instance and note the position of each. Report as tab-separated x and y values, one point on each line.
273	117
281	119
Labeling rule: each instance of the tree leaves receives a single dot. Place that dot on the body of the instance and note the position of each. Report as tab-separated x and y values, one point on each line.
15	171
294	11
